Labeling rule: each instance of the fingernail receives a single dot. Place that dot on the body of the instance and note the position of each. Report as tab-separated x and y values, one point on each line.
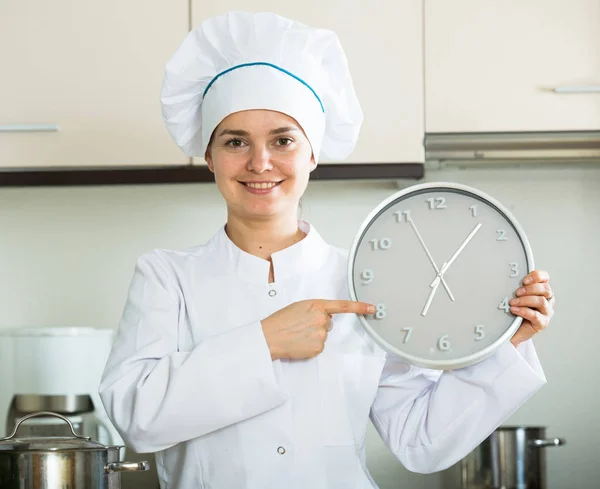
521	291
513	302
514	309
370	308
527	280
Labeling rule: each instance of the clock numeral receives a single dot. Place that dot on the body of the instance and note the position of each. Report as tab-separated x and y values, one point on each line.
504	305
473	210
479	332
437	203
408	334
399	215
443	343
380	312
501	235
367	276
514	269
381	244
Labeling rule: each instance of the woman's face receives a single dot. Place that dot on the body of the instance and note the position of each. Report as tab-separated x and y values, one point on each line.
261	160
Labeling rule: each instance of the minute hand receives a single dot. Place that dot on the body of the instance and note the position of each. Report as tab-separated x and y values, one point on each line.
453	257
430	258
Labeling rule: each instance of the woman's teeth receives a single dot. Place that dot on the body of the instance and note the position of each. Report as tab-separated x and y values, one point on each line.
261	185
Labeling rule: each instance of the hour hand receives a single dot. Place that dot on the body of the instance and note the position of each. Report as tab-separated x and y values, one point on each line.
412	224
430	297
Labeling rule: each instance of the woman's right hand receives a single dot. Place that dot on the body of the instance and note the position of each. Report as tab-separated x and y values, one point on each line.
299	330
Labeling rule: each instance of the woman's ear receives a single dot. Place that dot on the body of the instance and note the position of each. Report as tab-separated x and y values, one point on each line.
313	164
209	161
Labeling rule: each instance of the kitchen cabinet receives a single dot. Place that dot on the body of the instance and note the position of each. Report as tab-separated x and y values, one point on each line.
383	44
509	65
93	71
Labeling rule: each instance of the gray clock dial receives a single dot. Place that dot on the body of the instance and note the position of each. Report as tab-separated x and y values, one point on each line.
440	261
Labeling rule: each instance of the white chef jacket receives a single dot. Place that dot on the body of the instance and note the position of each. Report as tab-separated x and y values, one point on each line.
190	377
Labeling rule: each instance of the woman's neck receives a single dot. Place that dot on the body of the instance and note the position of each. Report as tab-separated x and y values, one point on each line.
263	237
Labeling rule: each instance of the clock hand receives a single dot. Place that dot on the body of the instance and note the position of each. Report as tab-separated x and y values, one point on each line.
430	297
455	256
409	219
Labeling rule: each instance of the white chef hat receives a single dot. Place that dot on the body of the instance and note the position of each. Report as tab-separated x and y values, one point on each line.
240	61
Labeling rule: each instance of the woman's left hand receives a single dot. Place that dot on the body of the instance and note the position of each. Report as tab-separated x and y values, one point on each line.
534	303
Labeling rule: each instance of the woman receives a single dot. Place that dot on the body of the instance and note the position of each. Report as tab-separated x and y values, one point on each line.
241	362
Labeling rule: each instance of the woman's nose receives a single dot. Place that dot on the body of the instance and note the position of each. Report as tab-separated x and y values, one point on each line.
260	160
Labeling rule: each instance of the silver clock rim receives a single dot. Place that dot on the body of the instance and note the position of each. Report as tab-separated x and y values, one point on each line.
418	361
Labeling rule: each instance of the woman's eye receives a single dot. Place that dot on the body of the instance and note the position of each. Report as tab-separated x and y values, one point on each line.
234	143
284	141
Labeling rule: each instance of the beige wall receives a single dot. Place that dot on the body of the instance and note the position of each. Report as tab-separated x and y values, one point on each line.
67	255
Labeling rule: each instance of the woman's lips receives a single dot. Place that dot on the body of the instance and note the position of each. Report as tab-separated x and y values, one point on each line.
260	187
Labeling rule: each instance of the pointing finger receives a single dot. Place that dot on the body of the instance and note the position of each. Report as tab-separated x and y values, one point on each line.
344	307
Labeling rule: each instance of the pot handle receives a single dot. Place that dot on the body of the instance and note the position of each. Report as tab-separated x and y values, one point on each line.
126	467
554	442
44	413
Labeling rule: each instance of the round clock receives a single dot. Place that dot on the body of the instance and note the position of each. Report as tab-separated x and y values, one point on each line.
440	261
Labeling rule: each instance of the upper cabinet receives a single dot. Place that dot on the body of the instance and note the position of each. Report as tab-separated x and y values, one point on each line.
81	81
383	45
509	65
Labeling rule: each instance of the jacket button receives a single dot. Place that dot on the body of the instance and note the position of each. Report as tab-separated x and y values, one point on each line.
272	292
280	450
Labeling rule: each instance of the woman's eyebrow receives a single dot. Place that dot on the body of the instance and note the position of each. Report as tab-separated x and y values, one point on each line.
272	132
234	132
281	130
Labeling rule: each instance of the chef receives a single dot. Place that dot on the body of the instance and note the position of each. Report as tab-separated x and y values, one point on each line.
241	362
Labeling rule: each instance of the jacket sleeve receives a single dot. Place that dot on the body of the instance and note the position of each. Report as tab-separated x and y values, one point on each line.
157	396
430	420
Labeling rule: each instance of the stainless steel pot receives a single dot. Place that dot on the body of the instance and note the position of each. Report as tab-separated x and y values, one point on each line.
57	462
512	457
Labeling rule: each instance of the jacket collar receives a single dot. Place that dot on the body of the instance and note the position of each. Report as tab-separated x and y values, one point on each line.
308	253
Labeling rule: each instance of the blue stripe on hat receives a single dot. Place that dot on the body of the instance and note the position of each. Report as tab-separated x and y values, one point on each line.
264	64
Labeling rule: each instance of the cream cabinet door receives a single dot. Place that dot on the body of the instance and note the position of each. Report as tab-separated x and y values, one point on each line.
93	71
383	44
510	65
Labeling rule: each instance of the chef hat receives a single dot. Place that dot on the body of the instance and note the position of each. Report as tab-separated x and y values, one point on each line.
241	61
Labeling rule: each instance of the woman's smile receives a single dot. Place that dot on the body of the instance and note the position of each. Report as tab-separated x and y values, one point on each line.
259	188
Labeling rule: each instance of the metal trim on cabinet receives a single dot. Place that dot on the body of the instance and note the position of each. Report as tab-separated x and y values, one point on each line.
152	175
29	127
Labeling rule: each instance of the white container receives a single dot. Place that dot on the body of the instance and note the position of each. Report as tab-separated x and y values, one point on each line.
54	361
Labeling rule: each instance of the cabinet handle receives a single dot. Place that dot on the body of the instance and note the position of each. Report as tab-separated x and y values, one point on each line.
28	127
578	89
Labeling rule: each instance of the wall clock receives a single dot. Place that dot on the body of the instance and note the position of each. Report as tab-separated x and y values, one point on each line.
440	261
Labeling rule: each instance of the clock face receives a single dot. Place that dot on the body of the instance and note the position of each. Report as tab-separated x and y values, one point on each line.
440	261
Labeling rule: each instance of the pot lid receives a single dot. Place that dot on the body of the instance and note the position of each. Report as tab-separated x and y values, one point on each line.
49	443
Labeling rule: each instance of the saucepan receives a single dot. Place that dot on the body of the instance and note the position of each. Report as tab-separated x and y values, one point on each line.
65	462
512	457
